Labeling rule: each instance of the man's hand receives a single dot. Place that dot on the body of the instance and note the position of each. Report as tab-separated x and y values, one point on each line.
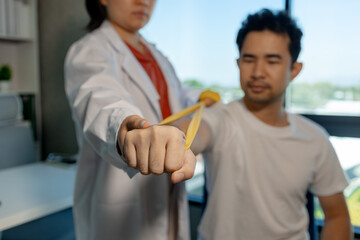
155	149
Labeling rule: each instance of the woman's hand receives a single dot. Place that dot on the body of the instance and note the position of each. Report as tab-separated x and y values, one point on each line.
155	149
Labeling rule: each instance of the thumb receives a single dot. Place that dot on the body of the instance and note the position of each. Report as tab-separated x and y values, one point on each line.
136	122
187	170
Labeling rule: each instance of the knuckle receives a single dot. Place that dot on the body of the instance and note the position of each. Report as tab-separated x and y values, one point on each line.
129	137
154	136
174	130
157	171
156	168
180	139
172	166
178	135
132	163
156	129
144	171
143	167
126	155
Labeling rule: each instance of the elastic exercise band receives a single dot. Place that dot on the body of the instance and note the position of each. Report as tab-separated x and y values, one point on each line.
195	121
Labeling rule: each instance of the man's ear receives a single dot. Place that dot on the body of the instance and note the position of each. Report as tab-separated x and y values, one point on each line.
296	69
103	2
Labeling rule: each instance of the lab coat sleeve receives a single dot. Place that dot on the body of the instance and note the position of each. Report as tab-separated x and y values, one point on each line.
98	99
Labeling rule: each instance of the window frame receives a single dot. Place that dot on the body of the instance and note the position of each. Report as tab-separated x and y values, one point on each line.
335	125
339	126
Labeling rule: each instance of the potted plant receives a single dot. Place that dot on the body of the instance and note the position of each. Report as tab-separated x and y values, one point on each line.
5	76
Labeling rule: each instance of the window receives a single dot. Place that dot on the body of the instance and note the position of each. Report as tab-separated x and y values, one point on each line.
199	38
330	80
328	88
347	151
201	45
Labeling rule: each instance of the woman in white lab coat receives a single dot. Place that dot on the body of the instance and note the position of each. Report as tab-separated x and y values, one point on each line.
105	84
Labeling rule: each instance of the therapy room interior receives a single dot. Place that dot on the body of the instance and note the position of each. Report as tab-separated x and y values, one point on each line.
38	145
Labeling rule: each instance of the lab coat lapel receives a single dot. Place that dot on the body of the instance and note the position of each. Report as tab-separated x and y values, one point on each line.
133	68
169	75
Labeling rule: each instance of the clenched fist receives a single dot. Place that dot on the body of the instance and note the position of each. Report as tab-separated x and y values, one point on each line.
155	149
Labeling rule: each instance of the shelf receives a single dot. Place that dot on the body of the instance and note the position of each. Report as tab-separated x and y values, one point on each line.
20	92
19	44
19	48
15	39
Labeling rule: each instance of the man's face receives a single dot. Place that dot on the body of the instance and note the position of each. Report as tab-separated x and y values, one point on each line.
265	66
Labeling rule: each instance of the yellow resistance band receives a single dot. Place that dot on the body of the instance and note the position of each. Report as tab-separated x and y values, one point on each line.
195	121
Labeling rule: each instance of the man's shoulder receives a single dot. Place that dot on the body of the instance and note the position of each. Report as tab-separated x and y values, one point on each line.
306	125
227	110
235	105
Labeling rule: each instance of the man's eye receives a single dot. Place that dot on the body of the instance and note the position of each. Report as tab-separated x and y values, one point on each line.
273	62
248	60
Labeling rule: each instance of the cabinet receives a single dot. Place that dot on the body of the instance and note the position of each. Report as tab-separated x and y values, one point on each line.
19	48
19	43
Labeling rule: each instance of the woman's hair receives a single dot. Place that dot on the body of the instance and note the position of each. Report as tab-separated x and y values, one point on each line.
97	14
278	22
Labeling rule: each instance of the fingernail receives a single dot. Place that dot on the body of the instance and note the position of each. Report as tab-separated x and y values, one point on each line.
142	123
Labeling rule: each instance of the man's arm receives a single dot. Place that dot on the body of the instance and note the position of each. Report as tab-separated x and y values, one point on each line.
337	223
161	149
203	136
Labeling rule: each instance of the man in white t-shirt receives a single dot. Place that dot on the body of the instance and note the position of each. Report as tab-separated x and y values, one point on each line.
260	159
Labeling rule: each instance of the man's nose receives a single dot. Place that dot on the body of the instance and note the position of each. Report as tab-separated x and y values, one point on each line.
258	70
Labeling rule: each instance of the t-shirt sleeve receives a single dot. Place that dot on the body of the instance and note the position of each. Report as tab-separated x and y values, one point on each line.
214	118
329	177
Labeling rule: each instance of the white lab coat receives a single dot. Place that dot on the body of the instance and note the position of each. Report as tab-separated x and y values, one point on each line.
104	84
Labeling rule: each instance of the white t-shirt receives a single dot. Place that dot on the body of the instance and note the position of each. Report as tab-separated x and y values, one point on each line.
258	175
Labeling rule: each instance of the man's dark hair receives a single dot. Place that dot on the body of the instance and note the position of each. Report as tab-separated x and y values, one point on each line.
97	14
278	22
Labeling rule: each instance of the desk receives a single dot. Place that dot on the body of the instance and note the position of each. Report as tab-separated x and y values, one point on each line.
33	191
